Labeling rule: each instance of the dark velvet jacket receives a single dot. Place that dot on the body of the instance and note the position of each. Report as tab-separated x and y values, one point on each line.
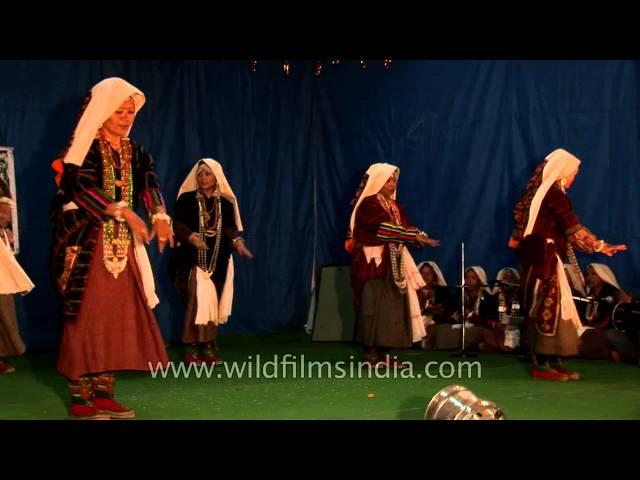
76	231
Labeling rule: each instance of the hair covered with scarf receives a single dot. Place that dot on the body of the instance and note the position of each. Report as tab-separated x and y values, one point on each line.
372	181
99	104
557	166
348	244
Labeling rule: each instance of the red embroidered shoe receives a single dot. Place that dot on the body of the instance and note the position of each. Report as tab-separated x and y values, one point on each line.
112	409
548	374
212	359
568	373
193	358
6	369
86	411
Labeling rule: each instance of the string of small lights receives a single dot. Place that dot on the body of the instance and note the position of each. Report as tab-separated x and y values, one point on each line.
318	65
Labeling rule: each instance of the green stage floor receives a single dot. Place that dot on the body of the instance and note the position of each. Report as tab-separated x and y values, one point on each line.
606	390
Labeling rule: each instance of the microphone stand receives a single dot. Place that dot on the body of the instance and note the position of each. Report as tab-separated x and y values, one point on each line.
463	353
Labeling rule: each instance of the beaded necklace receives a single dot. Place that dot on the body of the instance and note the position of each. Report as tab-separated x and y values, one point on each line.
116	262
390	207
205	231
395	250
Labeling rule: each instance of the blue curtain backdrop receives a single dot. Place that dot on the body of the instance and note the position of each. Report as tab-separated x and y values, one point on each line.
465	133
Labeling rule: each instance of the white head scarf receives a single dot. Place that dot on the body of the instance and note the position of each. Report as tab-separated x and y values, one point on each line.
190	184
434	266
482	275
560	164
502	271
500	277
605	274
106	97
378	174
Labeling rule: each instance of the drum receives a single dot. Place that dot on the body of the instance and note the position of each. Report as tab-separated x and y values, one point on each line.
626	316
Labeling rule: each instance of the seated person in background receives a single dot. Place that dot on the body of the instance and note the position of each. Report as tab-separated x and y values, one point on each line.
480	306
435	301
503	333
601	339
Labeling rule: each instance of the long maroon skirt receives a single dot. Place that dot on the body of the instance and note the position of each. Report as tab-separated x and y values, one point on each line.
115	329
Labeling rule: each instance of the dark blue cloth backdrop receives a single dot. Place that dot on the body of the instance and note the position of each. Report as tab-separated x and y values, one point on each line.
465	133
